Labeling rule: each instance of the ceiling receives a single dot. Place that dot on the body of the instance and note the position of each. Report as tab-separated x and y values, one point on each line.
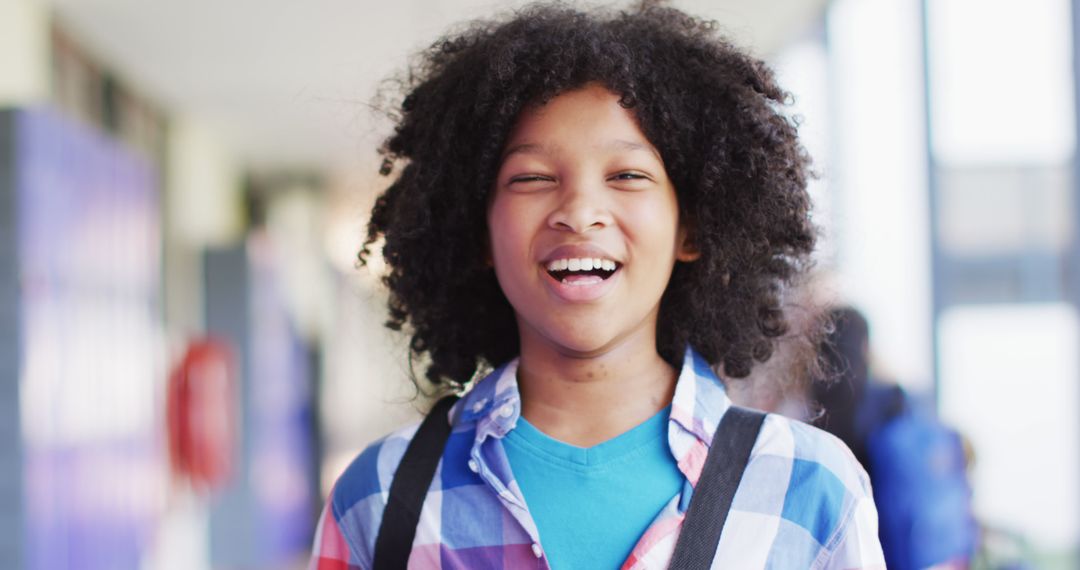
285	83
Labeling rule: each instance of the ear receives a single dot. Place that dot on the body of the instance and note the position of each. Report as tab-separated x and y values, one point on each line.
686	246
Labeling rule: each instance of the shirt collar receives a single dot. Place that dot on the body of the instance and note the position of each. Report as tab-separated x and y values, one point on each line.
493	405
700	398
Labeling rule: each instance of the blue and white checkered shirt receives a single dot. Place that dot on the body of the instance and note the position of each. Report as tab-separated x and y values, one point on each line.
804	502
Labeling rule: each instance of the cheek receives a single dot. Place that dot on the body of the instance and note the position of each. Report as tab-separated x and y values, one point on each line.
507	240
516	218
656	223
496	216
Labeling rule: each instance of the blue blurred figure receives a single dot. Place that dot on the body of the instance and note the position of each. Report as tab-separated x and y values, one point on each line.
916	464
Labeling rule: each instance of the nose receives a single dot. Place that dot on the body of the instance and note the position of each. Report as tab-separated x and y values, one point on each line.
581	207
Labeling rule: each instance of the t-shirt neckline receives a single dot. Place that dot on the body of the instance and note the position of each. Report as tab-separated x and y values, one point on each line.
627	443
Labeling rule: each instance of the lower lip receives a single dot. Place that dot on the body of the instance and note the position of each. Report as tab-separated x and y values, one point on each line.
581	293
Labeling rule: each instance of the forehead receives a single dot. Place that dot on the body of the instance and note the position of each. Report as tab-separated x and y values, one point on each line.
589	117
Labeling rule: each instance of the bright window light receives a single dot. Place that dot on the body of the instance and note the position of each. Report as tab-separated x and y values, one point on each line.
1001	80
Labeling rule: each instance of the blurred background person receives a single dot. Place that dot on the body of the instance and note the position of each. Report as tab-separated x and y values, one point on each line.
916	464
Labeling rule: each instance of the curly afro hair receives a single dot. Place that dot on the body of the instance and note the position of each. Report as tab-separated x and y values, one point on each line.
713	112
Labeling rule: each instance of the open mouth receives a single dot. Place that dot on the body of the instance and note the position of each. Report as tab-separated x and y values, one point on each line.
582	271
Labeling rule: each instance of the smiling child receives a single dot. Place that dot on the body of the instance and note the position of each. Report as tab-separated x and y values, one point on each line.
603	207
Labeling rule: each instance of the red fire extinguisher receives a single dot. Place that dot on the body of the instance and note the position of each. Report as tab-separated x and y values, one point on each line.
201	413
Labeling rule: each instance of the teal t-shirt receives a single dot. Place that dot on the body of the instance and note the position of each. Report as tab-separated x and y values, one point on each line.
591	505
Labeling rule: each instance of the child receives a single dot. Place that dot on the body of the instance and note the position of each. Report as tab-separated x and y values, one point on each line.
603	205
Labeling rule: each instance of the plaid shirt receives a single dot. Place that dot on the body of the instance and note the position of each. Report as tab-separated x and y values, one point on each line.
804	502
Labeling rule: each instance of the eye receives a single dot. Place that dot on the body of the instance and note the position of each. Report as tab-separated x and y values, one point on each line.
526	178
629	176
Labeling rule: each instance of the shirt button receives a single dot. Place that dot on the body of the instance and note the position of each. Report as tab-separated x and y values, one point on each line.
473	466
479	406
506	411
537	551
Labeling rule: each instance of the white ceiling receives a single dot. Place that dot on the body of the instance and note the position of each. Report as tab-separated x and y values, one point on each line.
285	82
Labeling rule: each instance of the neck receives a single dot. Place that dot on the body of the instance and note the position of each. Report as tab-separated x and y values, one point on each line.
587	400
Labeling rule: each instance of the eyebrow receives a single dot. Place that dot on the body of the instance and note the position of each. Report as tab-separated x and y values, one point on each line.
617	144
526	148
620	144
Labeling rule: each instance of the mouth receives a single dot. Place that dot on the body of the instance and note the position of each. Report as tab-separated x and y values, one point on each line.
582	271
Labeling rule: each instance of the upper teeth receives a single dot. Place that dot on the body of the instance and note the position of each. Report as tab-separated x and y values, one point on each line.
581	264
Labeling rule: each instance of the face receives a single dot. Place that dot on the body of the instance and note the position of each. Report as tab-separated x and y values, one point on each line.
584	226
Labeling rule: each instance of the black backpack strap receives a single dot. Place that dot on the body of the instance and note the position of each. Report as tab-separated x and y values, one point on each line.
724	466
409	488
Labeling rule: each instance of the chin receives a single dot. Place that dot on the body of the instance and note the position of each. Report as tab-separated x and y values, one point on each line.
582	349
583	342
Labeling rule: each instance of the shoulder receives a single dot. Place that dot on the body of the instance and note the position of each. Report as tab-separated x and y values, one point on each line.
361	492
816	451
359	496
811	482
372	471
812	455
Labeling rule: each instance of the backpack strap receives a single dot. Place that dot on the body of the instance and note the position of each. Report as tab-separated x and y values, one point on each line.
409	488
724	466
